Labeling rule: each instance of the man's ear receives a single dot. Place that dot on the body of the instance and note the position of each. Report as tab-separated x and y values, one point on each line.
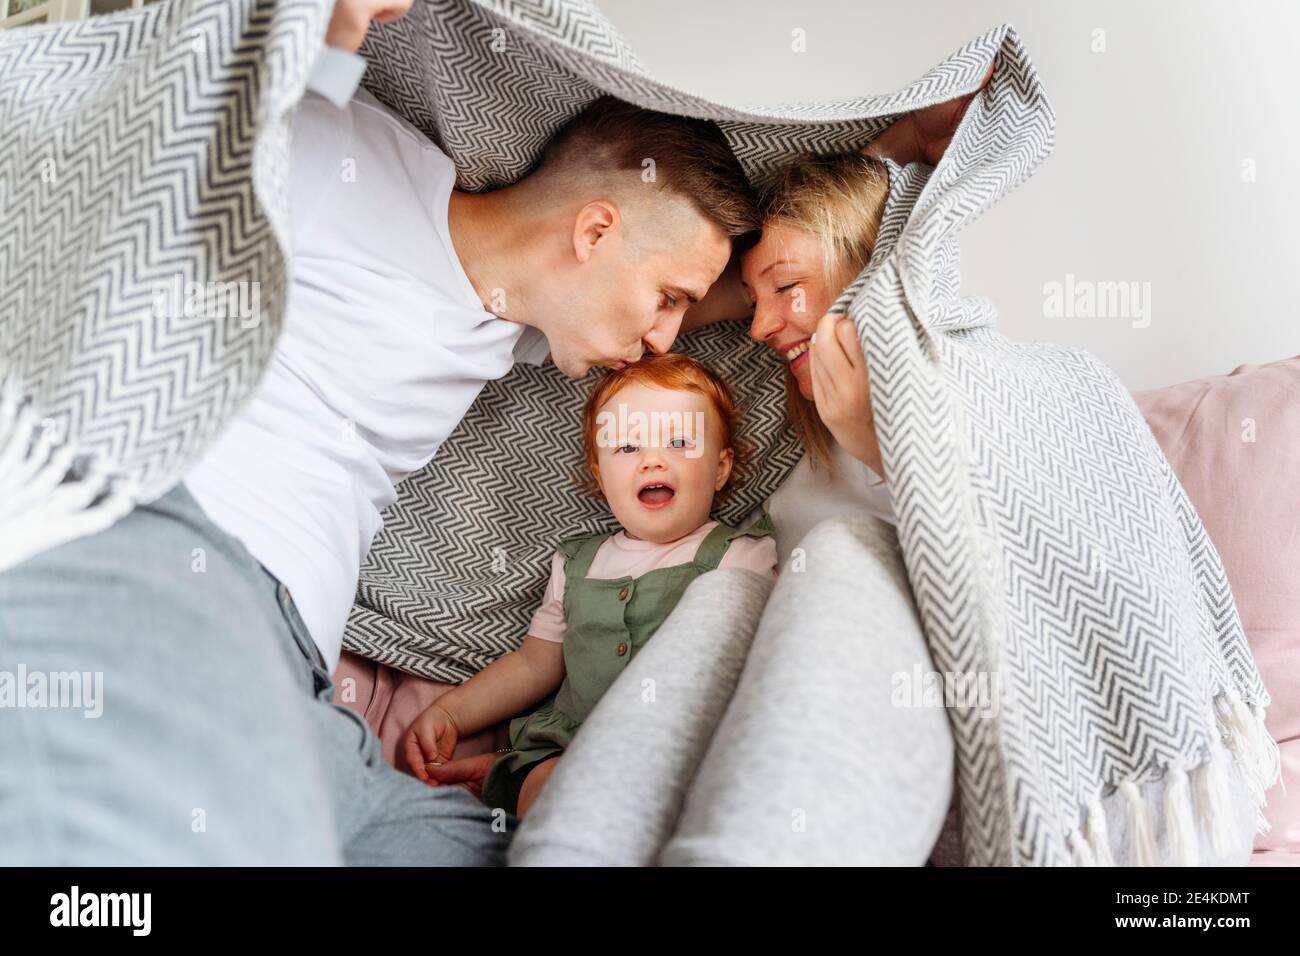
595	221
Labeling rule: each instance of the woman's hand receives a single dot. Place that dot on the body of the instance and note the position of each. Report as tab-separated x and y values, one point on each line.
841	389
431	739
922	136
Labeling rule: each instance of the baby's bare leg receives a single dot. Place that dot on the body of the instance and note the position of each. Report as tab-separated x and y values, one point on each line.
533	785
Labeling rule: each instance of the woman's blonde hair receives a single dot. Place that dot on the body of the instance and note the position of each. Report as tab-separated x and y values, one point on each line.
839	198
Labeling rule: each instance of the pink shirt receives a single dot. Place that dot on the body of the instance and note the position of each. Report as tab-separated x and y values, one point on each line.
621	556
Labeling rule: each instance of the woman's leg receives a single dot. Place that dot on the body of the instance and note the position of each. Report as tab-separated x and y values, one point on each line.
817	759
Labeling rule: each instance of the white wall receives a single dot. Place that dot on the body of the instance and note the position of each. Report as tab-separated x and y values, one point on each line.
1145	184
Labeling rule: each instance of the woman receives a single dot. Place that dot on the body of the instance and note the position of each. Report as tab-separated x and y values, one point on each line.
813	744
819	232
806	744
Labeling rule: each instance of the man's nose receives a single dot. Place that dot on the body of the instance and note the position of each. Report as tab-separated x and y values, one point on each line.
661	338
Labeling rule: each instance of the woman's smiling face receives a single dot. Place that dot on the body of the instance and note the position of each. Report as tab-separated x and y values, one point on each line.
785	275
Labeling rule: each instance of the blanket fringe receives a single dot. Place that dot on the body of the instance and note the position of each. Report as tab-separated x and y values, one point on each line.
1256	751
1196	800
44	502
1213	804
1080	849
1098	838
1180	822
1142	834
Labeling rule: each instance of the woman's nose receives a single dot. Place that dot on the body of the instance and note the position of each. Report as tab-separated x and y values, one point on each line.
767	322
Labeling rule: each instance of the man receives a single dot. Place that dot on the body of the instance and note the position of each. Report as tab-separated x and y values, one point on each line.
216	614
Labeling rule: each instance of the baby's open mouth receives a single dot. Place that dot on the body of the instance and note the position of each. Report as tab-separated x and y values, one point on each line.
656	494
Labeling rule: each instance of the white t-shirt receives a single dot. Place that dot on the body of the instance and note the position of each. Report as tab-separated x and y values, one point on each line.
384	348
807	498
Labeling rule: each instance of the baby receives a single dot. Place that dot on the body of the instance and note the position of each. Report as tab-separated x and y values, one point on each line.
660	445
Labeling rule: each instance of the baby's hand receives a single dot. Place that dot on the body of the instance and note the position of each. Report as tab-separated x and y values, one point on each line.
431	740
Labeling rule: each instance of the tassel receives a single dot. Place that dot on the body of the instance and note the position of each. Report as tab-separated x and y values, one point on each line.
1270	755
1256	751
1235	722
1213	803
1268	764
42	504
1141	832
1098	838
1179	822
1080	849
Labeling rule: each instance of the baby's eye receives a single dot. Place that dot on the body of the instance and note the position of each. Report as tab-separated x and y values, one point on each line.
626	448
684	443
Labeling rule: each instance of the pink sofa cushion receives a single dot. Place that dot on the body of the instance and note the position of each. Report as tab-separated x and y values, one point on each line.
1234	442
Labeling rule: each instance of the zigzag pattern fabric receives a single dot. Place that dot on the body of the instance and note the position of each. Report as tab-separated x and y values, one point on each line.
143	153
1048	543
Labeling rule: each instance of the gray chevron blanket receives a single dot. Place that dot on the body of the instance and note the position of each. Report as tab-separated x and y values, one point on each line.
1048	543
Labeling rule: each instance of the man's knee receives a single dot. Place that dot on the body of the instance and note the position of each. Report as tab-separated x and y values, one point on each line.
198	750
409	823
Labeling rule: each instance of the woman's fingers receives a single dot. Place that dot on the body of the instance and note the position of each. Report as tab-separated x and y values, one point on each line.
818	388
817	368
847	333
828	351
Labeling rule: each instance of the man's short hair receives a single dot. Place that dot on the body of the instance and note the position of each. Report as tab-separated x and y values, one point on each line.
691	158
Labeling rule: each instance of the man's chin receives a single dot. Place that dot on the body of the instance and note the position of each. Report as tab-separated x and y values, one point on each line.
572	368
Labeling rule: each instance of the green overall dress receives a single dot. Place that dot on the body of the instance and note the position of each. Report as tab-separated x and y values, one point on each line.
608	620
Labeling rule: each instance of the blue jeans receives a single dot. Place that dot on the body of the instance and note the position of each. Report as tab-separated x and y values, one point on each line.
218	741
